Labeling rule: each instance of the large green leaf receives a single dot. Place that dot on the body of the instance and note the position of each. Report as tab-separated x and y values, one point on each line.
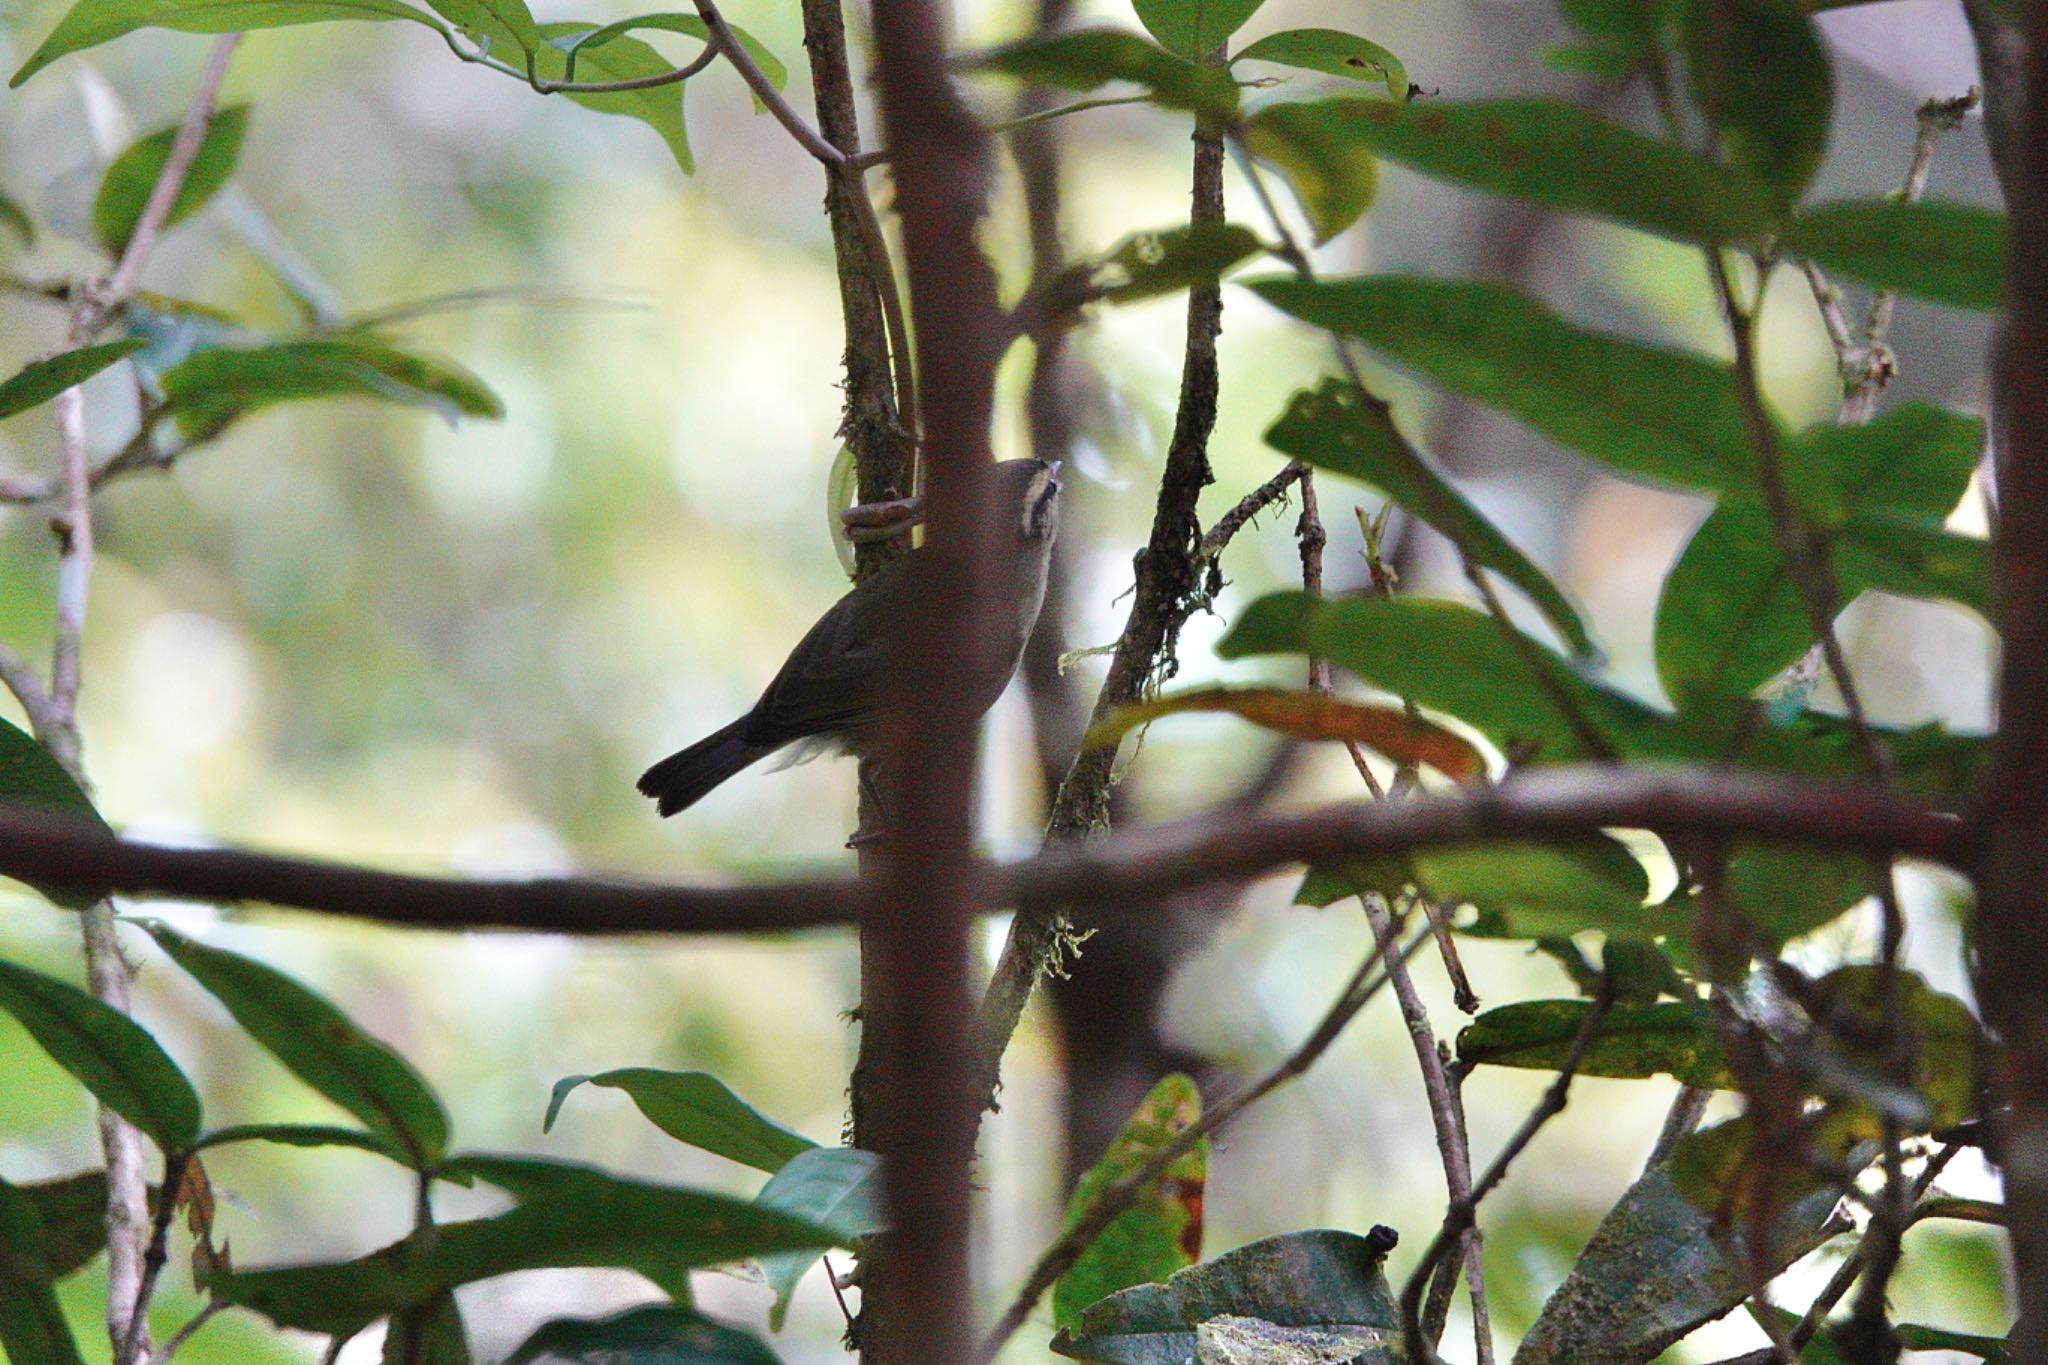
32	1327
319	1045
1671	1038
1159	1234
1094	57
214	388
597	1220
1448	658
110	1054
431	1334
620	59
73	1211
1946	252
1562	157
1148	264
92	22
1321	1295
1662	1262
659	1334
1759	73
1194	28
1333	53
835	1187
1784	892
1333	176
1336	427
699	1109
1676	421
1532	890
126	187
45	379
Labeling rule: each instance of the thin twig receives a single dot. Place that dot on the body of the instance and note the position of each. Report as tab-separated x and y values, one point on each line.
1463	1214
177	1339
154	1255
1250	505
19	677
1115	1199
728	45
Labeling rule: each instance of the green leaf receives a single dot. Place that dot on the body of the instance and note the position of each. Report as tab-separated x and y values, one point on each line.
108	1053
1949	253
1760	75
212	389
1337	427
1094	57
303	1135
1194	29
319	1045
431	1334
30	777
693	1107
1947	1043
32	1327
660	1334
1677	421
1160	1233
596	1220
1918	1336
1661	1264
1562	157
127	185
92	22
45	379
1309	716
15	219
1448	658
494	24
835	1187
1322	1289
1532	890
1785	892
1634	1041
1148	264
1333	175
1333	53
620	59
73	1211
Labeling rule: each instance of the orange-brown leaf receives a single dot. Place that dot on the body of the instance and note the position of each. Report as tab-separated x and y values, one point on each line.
1311	715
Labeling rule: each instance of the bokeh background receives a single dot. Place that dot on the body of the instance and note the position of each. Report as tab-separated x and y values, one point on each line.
350	630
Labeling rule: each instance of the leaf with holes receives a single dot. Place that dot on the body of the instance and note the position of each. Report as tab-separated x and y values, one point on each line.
319	1045
693	1107
1333	53
128	183
107	1052
1308	715
1148	264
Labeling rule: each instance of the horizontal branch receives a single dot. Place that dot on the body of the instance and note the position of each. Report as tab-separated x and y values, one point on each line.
1119	875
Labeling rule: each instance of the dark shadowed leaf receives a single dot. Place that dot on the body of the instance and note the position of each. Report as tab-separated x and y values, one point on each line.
836	1187
110	1054
1333	53
92	22
1162	1232
431	1334
1672	1038
1194	28
1337	427
30	777
660	1334
620	59
319	1045
1097	56
15	219
214	388
1917	1336
1309	715
1677	421
1786	892
696	1108
1333	175
74	1217
596	1220
128	182
1562	157
32	1328
1950	253
1947	1044
1660	1265
1448	658
304	1135
1320	1280
1148	264
1759	73
45	379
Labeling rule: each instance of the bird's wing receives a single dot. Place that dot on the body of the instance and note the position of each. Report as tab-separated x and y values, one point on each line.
832	677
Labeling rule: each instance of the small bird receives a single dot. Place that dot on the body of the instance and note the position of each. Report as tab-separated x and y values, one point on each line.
827	695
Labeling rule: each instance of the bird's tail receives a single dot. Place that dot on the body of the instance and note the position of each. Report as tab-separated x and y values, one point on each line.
683	778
